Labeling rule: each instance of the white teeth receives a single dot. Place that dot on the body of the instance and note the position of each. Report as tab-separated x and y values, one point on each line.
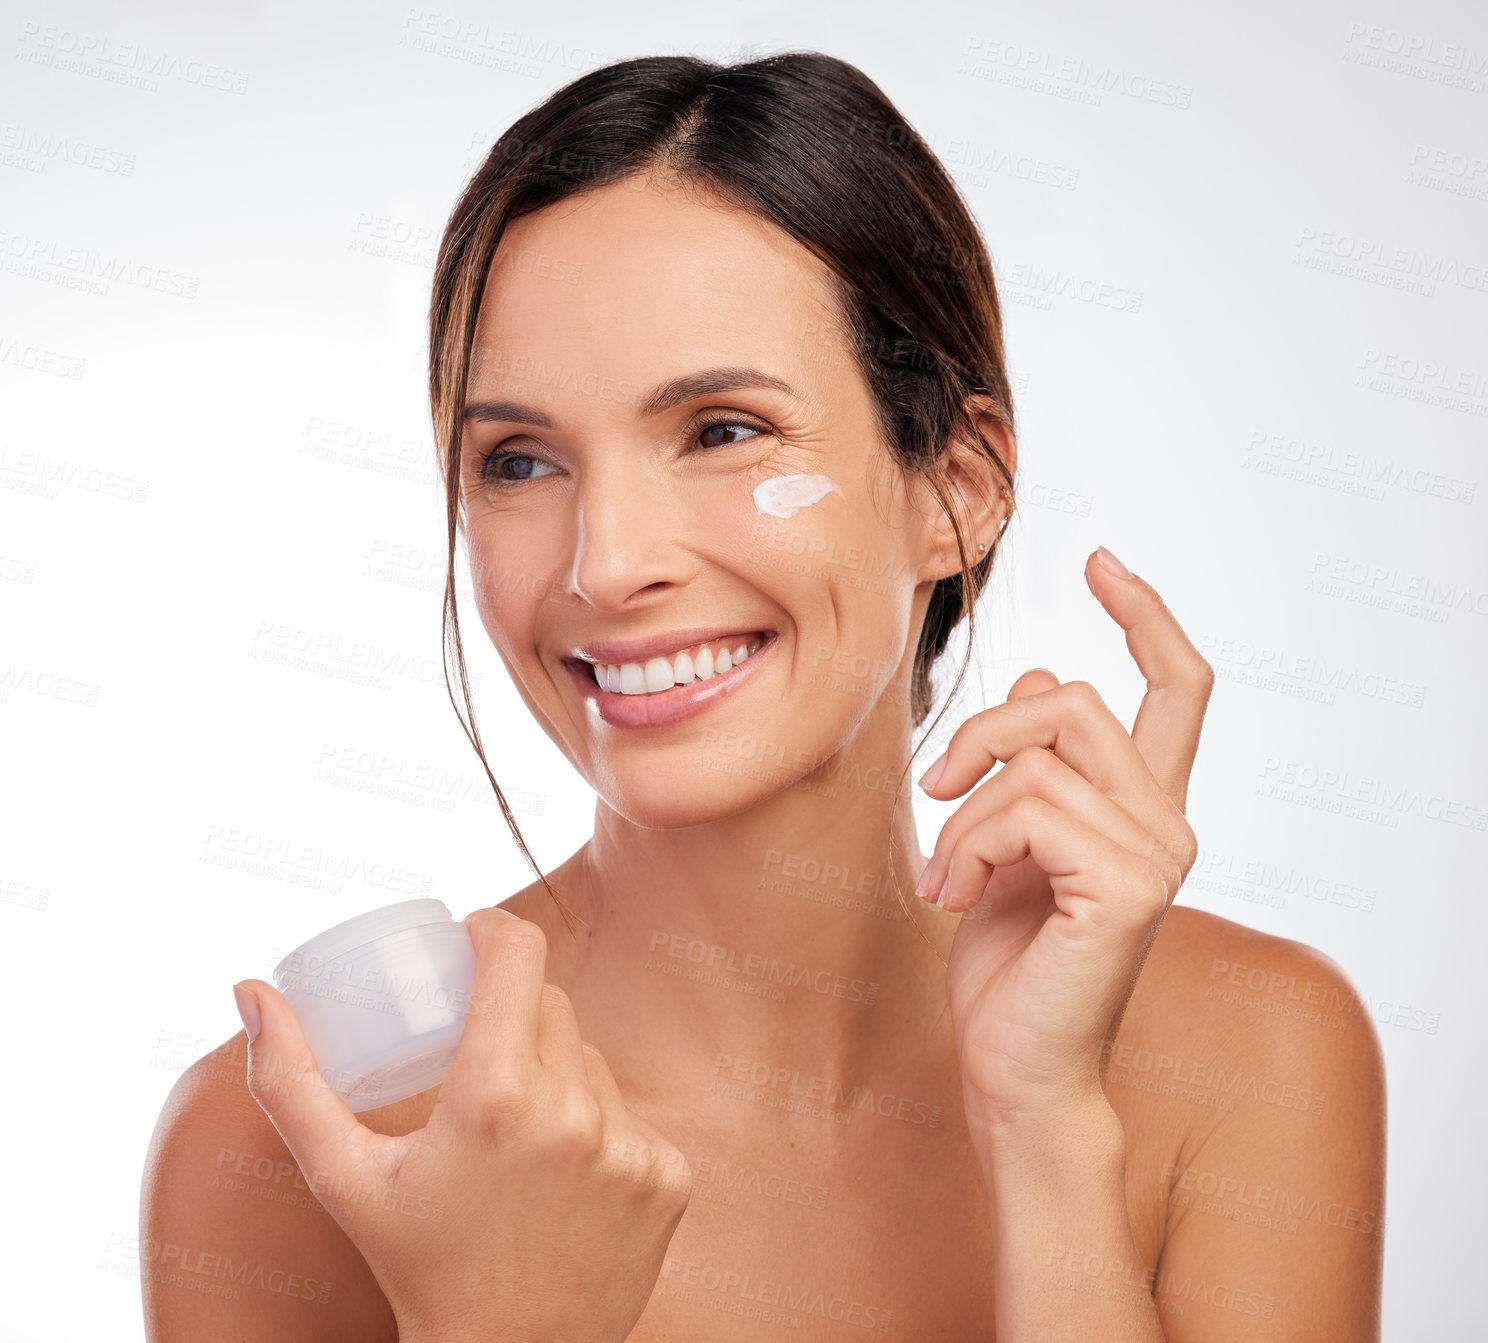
658	674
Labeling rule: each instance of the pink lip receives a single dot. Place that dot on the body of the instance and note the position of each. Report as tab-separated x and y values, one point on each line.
616	651
666	706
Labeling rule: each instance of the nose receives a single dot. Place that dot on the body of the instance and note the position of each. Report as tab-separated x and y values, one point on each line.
625	539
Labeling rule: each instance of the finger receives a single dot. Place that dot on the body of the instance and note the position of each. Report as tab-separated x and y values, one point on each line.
317	1126
570	1104
567	1059
1037	772
630	1140
1158	818
1179	680
1093	879
592	1066
602	1079
1033	682
559	1045
1072	721
498	1048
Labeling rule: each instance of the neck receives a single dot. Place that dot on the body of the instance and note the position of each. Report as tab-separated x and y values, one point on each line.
776	935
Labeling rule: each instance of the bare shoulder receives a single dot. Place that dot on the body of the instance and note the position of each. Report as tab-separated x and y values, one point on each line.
1249	1074
1254	997
235	1240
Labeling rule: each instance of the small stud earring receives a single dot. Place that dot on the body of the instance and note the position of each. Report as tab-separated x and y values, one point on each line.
1012	504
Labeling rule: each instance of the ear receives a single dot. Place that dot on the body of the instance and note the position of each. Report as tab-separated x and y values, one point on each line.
975	486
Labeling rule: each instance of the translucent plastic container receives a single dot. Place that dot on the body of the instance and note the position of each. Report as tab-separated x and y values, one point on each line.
382	999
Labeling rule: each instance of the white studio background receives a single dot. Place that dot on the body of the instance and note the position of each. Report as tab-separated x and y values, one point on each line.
1242	254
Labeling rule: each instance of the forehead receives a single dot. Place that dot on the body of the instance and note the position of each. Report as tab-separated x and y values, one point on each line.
635	277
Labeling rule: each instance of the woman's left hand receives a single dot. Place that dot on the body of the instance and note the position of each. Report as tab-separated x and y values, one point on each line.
1067	860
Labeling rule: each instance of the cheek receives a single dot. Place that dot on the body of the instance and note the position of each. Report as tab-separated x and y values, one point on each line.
512	555
506	598
846	578
486	568
785	496
810	526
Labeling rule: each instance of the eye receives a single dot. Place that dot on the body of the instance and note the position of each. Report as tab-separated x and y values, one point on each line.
504	468
497	467
707	434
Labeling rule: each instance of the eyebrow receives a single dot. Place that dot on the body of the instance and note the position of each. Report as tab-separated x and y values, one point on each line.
661	398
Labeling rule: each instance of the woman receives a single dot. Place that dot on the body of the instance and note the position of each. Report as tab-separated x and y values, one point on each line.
719	390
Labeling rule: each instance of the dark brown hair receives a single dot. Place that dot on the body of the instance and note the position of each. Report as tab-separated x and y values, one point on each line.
811	144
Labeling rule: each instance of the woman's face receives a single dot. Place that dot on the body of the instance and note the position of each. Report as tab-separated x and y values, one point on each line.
621	501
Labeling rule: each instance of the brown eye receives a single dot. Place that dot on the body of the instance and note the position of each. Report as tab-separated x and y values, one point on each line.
712	435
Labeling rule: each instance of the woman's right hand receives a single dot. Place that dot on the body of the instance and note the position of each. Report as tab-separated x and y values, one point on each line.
552	1227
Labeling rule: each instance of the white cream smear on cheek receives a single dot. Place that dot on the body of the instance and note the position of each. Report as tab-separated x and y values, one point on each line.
781	496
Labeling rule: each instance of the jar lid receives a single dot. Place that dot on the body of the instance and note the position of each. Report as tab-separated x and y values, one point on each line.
355	933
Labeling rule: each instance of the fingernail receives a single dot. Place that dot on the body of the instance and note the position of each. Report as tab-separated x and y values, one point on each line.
930	776
496	909
1110	561
940	895
247	1002
931	880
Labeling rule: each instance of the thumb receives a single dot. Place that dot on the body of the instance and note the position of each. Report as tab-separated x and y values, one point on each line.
315	1123
1033	682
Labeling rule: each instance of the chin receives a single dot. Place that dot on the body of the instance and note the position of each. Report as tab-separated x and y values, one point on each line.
710	789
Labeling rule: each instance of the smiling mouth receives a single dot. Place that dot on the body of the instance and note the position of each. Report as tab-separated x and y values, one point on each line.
688	667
